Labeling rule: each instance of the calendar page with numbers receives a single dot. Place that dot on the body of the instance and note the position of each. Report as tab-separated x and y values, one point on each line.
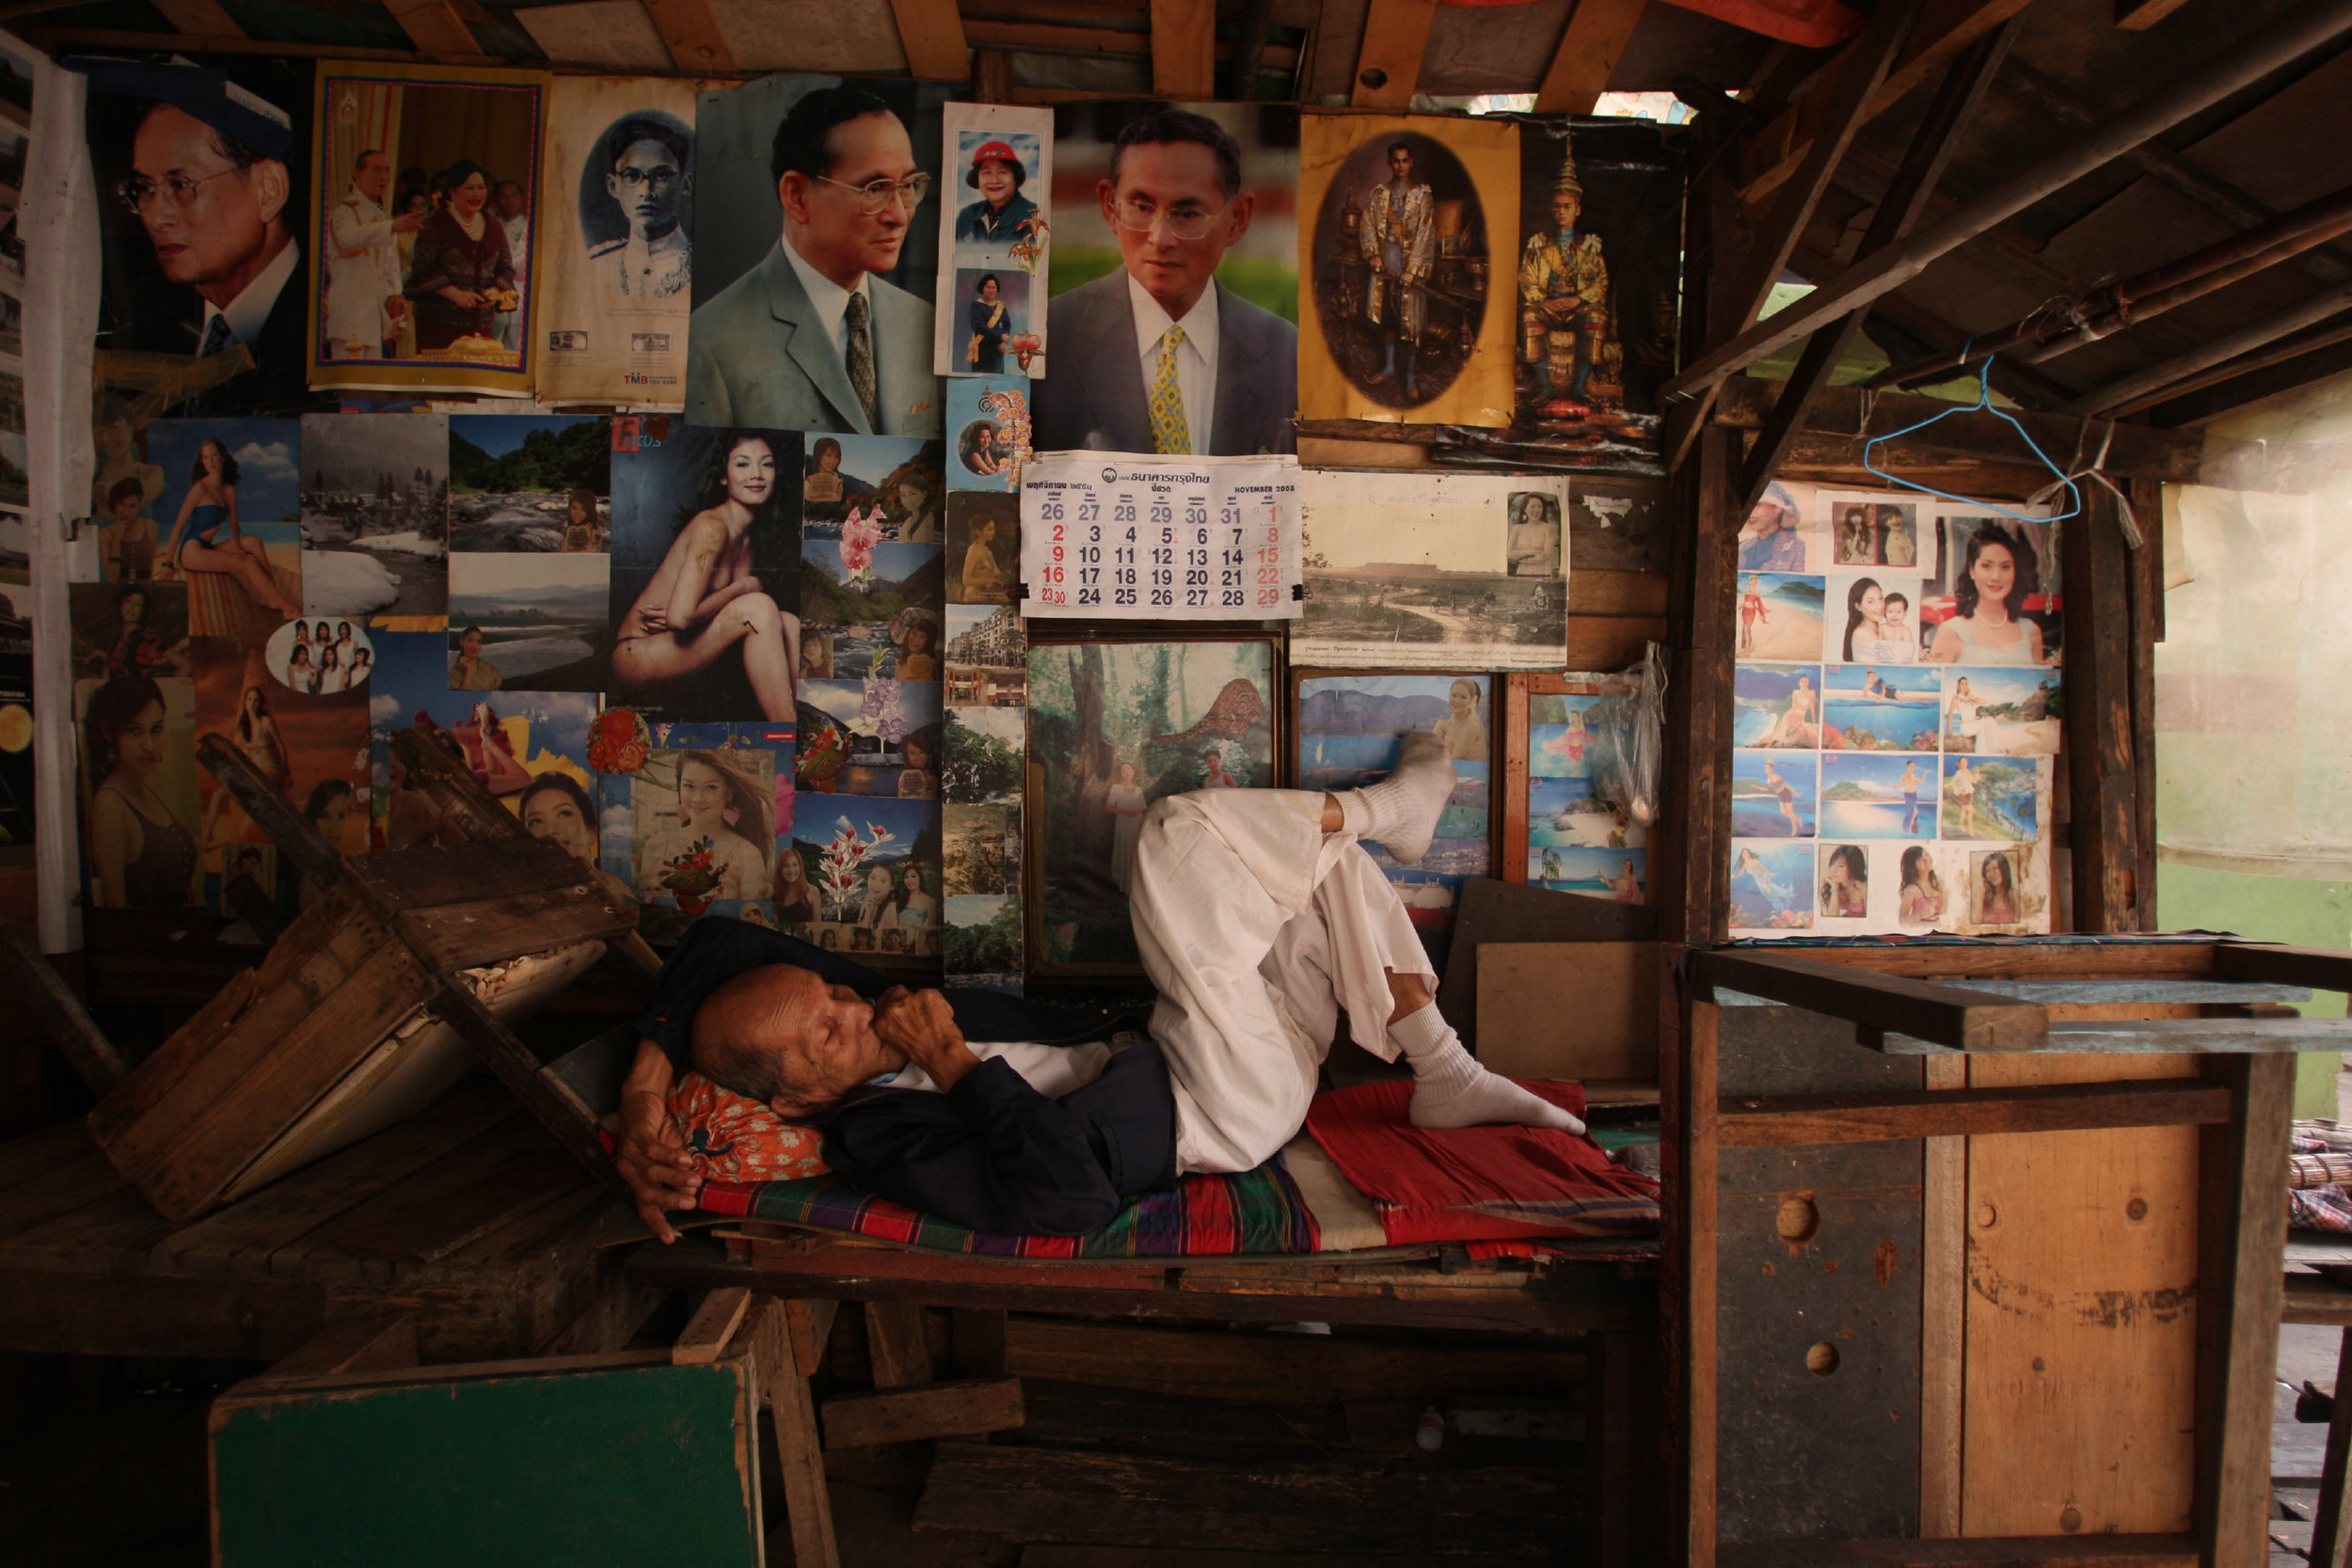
1120	536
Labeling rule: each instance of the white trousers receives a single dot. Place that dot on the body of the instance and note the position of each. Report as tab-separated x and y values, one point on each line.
1258	929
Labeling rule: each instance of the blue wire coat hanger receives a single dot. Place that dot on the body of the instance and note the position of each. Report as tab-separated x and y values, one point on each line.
1982	406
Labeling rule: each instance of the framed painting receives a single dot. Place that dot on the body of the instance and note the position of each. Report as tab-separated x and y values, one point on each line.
1114	725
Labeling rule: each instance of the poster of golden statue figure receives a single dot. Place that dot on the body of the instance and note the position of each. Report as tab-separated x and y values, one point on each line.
1407	238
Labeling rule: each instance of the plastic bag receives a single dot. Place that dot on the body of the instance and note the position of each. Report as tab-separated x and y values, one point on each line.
1630	735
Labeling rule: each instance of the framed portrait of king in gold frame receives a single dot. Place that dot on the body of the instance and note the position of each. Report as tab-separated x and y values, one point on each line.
426	188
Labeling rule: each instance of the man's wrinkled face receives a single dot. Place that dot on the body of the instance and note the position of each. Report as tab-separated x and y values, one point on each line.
223	225
825	1035
1161	187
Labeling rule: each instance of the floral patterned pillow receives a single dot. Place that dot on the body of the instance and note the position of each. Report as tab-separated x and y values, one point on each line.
732	1137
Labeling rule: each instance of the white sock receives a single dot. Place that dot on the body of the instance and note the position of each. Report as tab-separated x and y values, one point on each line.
1405	805
1450	1089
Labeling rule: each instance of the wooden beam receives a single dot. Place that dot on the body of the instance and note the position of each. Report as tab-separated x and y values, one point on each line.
964	1407
800	1456
2320	968
691	32
1906	197
2276	43
1945	29
434	27
2163	377
2285	349
1790	1120
712	1326
2137	451
2175	170
2329	1529
1947	1015
203	17
59	40
55	1011
1842	114
932	34
2032	1551
2158	1036
1590	46
1183	48
2103	778
2241	1229
896	1346
1388	68
2137	16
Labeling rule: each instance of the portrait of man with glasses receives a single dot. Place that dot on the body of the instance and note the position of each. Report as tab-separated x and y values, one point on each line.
202	256
813	337
649	170
1161	356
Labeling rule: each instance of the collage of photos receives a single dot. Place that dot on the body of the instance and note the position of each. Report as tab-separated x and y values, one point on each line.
782	561
995	223
1897	717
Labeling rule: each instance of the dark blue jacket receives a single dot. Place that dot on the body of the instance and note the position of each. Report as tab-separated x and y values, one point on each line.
991	1153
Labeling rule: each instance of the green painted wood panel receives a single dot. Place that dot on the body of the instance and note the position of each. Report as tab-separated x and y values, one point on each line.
635	1466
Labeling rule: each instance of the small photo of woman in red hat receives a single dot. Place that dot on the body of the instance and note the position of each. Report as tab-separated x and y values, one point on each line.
996	219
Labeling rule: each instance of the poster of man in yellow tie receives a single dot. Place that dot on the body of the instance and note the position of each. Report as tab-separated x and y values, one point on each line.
1407	239
1175	289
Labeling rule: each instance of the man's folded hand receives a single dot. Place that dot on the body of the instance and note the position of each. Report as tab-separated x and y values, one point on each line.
923	1025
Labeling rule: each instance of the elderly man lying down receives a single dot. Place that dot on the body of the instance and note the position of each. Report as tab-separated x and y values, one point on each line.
1259	919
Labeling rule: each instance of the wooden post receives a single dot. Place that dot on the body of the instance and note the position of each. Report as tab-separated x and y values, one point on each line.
894	1345
1687	1101
53	1008
800	1455
2102	769
2329	1535
2241	1231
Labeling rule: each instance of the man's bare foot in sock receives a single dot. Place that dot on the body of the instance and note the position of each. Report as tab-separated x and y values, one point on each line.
1406	804
1450	1089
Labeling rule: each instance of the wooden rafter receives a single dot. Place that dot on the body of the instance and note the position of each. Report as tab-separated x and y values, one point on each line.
1776	236
1915	182
932	34
1945	28
1388	67
1183	48
202	18
2137	16
1590	47
691	33
2275	43
435	26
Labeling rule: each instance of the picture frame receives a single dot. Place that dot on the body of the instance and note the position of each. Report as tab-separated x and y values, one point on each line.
1519	774
1073	907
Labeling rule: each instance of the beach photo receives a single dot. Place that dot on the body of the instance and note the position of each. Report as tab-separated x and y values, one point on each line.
1772	886
2001	712
1875	797
1617	874
1780	615
227	522
1772	797
530	482
537	622
1776	705
1867	708
375	515
1562	812
1992	798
